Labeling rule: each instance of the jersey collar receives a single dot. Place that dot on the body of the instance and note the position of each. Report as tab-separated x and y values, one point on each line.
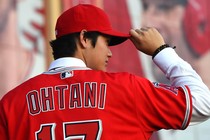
66	62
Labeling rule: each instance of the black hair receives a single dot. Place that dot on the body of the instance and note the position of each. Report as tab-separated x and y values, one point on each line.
65	46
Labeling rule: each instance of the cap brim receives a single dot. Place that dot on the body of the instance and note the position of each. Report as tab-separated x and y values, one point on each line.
116	37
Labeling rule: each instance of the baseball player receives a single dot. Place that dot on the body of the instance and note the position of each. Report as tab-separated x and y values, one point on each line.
77	99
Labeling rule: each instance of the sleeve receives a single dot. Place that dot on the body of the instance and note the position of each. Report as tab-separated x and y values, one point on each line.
3	127
161	106
180	73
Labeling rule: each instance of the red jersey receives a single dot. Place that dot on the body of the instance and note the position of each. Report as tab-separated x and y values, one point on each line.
92	105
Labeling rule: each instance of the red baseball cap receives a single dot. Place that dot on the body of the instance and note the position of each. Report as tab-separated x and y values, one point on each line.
89	17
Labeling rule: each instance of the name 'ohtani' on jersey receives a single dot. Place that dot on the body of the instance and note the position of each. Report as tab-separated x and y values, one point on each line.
90	95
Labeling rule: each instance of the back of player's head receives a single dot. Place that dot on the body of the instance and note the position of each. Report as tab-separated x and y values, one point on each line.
66	46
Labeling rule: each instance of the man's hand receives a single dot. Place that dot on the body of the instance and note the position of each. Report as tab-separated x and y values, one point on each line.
146	40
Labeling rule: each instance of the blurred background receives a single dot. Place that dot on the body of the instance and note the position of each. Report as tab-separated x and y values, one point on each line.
27	26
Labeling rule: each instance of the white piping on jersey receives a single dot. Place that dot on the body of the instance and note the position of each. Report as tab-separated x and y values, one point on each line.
62	69
187	113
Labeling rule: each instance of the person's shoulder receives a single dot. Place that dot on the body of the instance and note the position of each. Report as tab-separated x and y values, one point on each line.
127	77
21	89
121	76
117	74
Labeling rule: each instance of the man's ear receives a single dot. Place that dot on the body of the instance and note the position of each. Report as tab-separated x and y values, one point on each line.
83	39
